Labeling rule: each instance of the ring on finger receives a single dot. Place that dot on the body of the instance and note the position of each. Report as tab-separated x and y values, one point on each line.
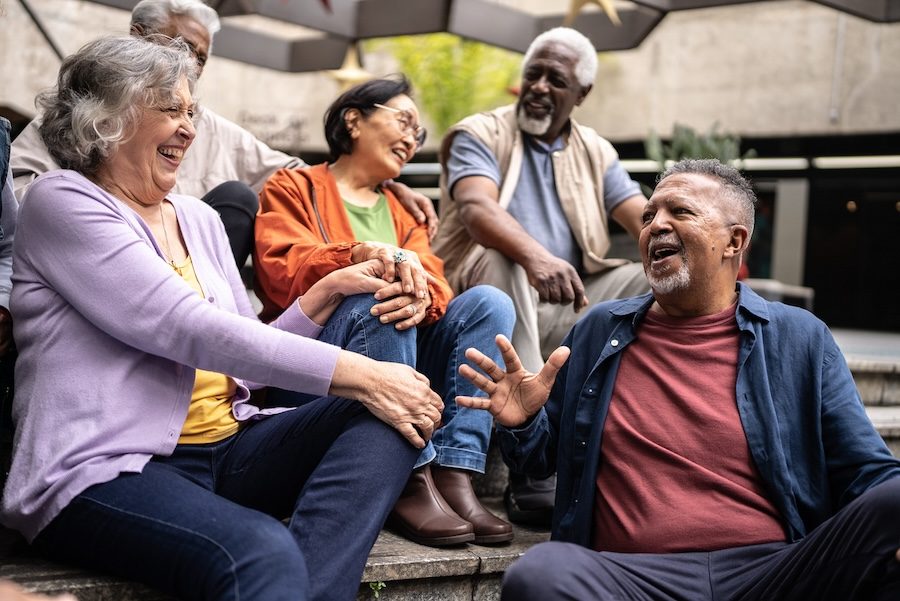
400	256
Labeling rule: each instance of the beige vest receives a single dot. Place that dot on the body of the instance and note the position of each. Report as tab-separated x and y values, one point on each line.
578	170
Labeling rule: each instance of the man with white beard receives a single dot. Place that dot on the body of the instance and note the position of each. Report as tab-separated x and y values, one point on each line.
526	195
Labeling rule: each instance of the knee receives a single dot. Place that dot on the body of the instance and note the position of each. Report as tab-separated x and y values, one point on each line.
538	573
881	507
493	306
495	268
233	195
376	340
359	308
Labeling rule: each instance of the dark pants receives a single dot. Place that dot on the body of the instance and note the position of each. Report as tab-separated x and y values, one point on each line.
850	557
204	522
237	205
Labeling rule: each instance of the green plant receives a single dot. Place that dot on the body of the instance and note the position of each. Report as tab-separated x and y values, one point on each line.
453	77
377	587
686	143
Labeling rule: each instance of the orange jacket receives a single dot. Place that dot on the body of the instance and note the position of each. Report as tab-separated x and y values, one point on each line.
303	233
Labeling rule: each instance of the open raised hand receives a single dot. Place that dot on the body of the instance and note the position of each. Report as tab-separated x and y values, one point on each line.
516	394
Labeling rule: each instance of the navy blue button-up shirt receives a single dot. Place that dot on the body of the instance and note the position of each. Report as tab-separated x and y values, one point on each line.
809	436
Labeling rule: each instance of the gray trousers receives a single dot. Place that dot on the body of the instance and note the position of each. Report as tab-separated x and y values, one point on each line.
849	557
541	326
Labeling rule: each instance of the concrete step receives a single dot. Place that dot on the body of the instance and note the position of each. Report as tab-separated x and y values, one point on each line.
466	573
874	360
397	569
878	382
887	421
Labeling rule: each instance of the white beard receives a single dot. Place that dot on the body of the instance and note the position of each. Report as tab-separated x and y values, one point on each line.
670	282
532	126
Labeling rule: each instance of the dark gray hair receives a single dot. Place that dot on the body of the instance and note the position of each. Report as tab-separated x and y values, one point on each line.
100	92
586	54
736	186
153	15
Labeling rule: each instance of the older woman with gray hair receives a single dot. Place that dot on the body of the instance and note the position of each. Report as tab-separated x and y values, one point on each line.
136	450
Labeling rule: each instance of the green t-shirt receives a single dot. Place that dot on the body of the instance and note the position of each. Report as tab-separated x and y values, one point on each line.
372	224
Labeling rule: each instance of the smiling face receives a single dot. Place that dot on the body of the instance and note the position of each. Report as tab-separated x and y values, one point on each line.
143	167
690	241
549	92
384	139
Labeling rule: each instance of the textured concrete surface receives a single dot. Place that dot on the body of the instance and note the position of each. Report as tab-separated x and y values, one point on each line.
467	572
40	576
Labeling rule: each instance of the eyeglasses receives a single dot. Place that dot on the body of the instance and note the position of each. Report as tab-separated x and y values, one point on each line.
406	123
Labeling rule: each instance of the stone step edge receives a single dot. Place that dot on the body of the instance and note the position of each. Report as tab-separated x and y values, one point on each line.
864	365
392	559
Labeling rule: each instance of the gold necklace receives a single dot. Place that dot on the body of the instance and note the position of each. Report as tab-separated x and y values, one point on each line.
168	251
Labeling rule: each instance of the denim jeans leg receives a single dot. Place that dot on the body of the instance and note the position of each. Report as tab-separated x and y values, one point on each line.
353	327
336	470
472	319
171	532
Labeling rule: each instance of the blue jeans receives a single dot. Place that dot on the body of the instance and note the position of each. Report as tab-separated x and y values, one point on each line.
472	319
203	523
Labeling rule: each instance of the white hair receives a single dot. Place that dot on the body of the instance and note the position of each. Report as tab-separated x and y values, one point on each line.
585	53
101	91
153	15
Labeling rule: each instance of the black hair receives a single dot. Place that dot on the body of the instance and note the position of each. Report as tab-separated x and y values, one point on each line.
362	97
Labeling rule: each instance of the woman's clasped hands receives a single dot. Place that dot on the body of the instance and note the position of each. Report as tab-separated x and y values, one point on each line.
405	299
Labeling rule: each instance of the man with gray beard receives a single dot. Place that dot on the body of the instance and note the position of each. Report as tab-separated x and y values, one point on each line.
526	196
710	444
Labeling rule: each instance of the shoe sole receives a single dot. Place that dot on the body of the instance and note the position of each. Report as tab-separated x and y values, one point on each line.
493	539
438	541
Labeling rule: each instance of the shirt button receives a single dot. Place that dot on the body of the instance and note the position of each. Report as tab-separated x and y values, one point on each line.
583	443
614	342
590	391
576	501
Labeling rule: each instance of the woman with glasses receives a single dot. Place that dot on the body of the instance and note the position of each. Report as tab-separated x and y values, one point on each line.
324	219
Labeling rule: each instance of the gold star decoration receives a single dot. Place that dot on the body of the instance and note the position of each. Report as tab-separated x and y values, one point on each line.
351	72
606	6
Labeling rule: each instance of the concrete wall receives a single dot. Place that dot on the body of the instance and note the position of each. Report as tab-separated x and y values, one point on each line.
774	68
765	69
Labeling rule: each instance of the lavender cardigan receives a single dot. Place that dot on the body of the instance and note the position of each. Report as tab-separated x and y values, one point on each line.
109	336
